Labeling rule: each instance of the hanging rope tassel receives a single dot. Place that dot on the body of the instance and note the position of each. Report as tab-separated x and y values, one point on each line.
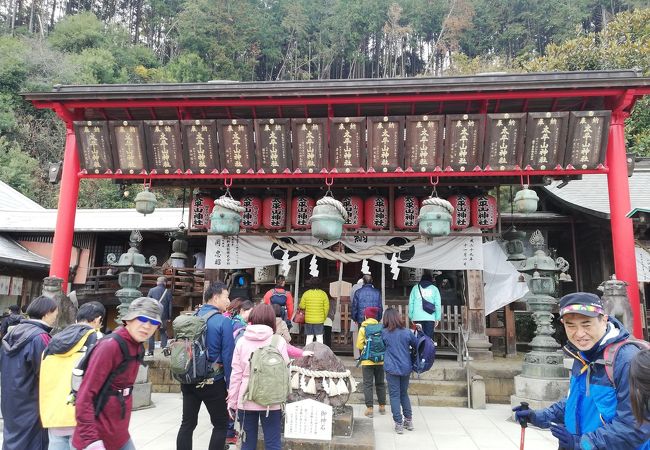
342	386
334	390
311	386
295	381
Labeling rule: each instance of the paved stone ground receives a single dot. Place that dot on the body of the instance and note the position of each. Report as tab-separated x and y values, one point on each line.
435	429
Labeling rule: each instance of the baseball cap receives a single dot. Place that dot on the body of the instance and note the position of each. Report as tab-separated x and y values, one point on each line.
584	303
144	307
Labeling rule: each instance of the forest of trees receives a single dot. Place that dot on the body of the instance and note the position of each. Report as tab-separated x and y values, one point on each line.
48	42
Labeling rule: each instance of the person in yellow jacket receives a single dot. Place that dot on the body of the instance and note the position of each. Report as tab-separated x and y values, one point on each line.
59	358
316	304
369	368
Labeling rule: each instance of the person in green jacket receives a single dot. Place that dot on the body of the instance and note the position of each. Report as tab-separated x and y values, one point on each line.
316	304
426	290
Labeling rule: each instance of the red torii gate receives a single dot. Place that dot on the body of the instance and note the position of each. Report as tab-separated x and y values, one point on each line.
616	91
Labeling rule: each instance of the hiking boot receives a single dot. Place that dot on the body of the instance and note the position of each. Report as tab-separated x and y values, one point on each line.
408	424
368	412
382	409
399	428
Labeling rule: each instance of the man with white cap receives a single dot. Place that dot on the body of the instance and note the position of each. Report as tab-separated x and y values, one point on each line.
597	412
104	401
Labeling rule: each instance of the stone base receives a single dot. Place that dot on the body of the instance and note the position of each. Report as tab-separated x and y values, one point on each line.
141	396
342	424
539	392
362	438
479	348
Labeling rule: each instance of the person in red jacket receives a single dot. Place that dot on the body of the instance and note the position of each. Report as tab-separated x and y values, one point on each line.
108	429
280	296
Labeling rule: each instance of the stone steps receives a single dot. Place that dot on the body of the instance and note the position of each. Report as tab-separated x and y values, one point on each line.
419	400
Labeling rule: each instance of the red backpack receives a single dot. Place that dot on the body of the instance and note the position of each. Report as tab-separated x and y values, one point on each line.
609	355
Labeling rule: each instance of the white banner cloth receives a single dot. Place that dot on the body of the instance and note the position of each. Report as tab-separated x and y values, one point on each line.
642	265
501	279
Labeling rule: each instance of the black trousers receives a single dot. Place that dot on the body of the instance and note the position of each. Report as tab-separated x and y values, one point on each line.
214	397
376	372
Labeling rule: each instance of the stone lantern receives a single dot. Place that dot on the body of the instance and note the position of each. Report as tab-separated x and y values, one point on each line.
514	244
130	267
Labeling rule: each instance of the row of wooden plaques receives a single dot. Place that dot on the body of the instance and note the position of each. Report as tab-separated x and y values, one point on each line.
541	141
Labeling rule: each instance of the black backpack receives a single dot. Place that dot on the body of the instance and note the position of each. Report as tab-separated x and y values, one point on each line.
102	397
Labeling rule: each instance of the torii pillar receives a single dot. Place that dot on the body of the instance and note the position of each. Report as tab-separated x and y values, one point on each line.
68	196
619	207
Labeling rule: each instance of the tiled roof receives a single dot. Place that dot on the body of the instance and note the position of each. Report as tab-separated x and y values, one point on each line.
11	199
11	252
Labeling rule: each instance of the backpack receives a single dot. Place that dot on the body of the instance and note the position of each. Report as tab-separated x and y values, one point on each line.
189	362
610	352
105	391
280	298
375	348
268	383
424	354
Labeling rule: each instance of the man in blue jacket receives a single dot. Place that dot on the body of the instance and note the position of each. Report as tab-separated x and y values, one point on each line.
212	392
597	413
164	296
367	296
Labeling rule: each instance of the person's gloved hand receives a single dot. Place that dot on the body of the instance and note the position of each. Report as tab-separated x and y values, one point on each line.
567	440
524	415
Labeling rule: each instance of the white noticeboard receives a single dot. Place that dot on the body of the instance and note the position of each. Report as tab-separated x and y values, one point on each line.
308	419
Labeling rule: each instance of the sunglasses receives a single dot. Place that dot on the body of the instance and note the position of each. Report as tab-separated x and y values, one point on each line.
144	319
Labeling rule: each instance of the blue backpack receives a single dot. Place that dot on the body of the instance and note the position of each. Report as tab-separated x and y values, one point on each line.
280	298
424	353
375	348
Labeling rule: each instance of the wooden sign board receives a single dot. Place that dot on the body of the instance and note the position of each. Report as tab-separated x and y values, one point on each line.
347	144
94	146
385	143
200	145
424	142
273	145
164	146
309	144
504	141
545	140
588	136
464	141
236	152
129	153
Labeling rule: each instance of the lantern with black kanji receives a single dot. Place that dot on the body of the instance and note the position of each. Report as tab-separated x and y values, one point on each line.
302	208
274	213
484	212
460	219
251	218
376	212
354	206
200	210
407	210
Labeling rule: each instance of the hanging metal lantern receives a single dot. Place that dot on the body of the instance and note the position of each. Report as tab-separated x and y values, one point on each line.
145	201
526	200
460	219
354	206
484	212
302	208
328	218
435	217
251	218
274	213
179	247
226	216
376	212
200	210
407	209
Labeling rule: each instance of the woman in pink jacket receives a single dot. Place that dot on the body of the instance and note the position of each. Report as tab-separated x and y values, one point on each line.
259	333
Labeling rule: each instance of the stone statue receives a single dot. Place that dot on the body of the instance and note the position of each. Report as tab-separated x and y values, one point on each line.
616	302
321	377
52	288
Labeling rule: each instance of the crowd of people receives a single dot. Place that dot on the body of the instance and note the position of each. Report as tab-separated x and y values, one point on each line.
74	390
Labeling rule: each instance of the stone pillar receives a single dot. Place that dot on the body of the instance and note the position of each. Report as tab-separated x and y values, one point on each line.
478	344
53	288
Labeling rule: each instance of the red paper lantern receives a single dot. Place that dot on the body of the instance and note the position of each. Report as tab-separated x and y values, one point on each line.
460	218
301	210
251	219
407	210
274	215
484	211
354	206
200	210
376	212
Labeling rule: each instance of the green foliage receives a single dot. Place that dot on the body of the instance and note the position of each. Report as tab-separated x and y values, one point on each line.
18	169
13	67
77	33
187	68
96	65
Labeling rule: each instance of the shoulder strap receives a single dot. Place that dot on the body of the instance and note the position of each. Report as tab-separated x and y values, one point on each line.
420	289
275	340
611	351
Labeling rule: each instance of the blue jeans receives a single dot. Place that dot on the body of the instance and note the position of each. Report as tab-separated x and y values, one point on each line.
59	442
398	387
129	445
271	425
427	327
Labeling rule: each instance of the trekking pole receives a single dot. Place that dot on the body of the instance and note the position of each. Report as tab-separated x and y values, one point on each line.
524	423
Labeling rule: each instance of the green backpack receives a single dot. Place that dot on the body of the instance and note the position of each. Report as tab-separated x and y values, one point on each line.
269	376
189	351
